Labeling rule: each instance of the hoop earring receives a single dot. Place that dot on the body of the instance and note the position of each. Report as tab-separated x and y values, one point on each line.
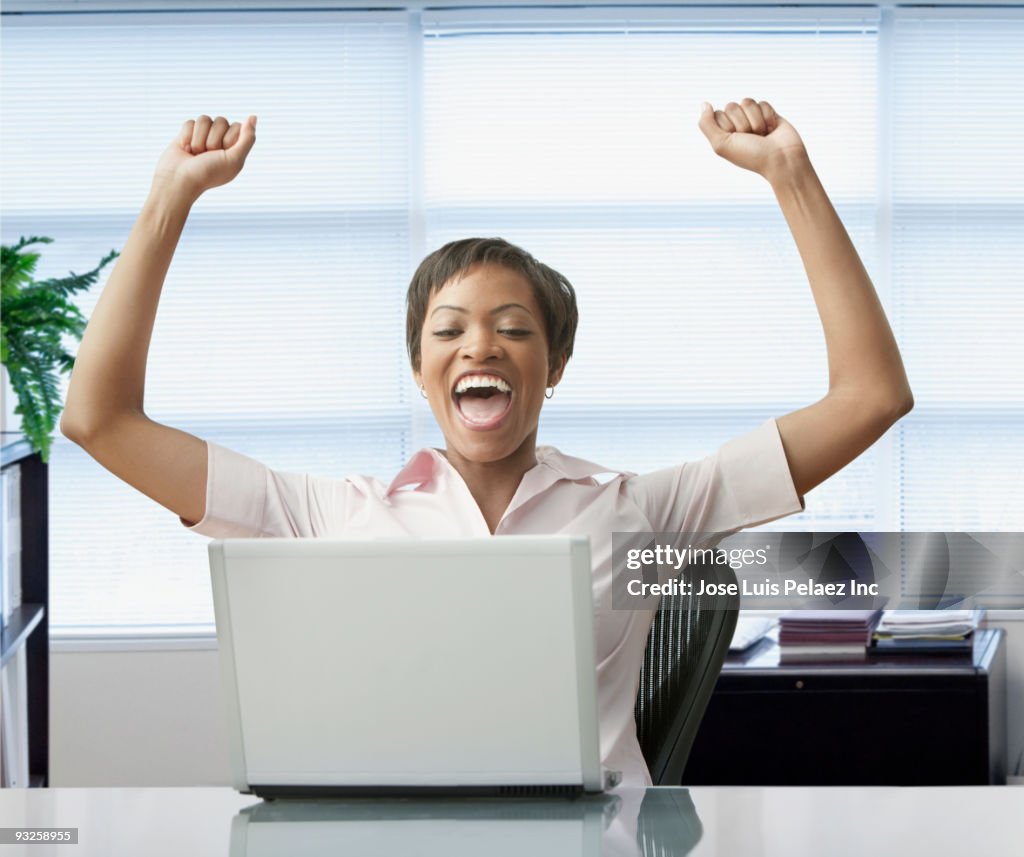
423	392
549	392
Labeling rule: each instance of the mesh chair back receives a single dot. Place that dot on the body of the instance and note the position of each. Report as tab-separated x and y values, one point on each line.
686	647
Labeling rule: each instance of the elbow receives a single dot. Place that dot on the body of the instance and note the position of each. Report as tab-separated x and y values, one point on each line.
901	401
81	430
899	396
89	429
875	407
889	395
890	408
73	428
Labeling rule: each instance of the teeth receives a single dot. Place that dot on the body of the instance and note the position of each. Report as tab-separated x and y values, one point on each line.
482	381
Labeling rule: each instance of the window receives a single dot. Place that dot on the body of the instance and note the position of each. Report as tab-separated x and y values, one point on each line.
572	132
575	134
279	331
957	215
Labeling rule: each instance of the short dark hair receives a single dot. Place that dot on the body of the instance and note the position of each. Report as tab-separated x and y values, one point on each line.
554	293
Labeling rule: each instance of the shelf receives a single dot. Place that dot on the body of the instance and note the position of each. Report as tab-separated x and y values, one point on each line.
27	628
13	448
20	624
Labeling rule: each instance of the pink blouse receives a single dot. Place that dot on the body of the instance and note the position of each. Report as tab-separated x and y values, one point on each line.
746	482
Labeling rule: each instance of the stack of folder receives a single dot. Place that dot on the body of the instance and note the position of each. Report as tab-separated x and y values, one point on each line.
826	635
926	631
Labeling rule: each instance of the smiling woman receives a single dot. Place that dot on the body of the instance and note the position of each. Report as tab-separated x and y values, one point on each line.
489	330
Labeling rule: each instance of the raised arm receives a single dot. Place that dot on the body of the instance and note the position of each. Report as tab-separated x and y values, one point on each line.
868	389
104	410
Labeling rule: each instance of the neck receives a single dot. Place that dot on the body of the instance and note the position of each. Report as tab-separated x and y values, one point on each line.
493	484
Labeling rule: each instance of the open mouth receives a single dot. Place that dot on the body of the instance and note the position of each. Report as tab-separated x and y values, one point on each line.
482	401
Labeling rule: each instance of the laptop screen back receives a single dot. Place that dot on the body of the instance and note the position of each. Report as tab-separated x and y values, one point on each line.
408	663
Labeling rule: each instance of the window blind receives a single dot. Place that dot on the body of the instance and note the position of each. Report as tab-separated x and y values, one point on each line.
573	133
279	329
958	249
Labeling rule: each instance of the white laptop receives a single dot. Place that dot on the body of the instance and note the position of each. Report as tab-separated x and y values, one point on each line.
408	666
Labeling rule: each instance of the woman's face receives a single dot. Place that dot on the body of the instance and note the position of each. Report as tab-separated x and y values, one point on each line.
484	363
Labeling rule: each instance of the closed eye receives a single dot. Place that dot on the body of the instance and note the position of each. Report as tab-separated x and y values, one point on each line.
508	331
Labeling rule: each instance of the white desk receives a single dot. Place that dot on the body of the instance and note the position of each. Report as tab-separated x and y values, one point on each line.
816	822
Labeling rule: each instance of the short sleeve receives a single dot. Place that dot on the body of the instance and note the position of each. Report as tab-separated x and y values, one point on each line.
247	499
746	482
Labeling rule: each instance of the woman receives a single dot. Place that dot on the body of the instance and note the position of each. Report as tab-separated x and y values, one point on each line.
490	331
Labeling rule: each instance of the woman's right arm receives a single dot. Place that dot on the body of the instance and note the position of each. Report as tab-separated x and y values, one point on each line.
104	410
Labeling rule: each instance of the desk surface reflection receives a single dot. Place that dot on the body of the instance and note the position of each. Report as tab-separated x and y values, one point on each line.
629	824
795	822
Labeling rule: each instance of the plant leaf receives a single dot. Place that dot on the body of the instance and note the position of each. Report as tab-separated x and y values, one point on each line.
37	315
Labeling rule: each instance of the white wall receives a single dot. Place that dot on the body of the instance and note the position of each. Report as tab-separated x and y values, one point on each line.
154	718
146	718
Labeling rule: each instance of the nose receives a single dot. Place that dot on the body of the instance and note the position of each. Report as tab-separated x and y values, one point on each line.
481	343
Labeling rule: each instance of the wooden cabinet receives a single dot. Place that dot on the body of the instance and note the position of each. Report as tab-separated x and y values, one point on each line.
27	626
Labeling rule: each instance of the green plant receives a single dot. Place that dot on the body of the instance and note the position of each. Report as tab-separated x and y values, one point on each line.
34	317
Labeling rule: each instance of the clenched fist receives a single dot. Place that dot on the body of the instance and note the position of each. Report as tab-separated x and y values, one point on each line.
751	135
205	154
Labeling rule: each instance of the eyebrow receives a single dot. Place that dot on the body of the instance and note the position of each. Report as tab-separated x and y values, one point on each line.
494	311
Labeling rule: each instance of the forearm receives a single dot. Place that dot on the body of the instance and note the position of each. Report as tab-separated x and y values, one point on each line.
110	370
863	358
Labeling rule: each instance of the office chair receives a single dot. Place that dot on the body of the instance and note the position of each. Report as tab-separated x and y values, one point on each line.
686	647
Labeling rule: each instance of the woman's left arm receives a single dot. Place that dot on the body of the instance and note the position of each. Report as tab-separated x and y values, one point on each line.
867	385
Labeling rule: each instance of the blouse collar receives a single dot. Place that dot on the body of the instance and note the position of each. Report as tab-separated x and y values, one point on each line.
423	469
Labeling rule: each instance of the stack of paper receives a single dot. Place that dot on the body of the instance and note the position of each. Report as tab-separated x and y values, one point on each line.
749	630
927	631
928	624
826	635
